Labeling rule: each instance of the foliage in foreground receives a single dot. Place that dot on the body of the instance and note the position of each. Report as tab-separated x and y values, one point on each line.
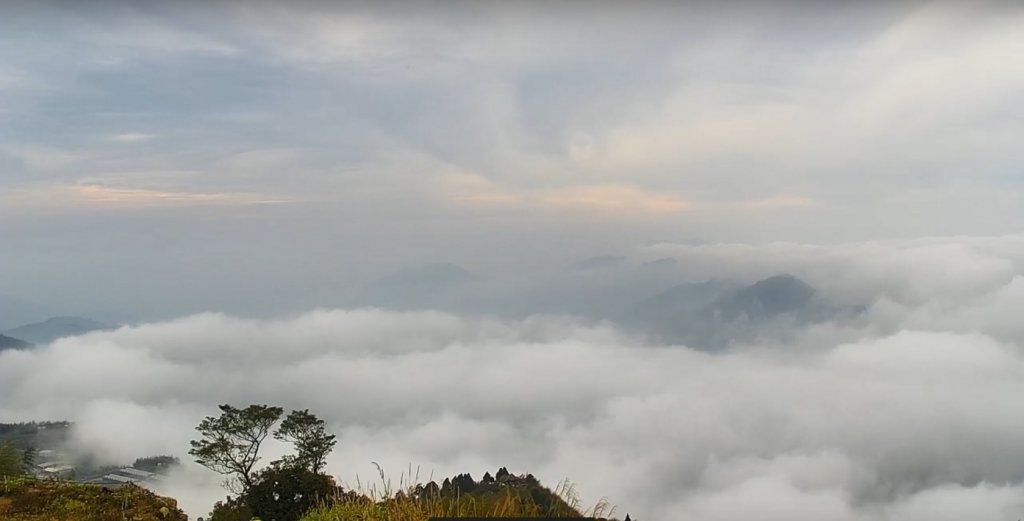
12	460
293	488
230	443
23	499
508	496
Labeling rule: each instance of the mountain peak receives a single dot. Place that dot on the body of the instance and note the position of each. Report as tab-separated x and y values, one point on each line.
7	342
777	294
72	321
56	327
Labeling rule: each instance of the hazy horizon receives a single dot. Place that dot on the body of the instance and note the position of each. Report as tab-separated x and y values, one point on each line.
542	236
159	160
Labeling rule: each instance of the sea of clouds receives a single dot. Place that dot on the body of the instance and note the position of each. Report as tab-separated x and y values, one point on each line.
913	411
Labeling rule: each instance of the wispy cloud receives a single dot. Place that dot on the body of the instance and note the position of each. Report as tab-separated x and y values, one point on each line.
605	198
472	189
132	137
62	198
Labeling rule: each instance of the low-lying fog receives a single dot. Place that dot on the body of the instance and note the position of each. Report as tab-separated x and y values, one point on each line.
874	381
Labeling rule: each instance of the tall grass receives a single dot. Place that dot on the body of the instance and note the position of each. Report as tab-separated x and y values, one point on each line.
402	503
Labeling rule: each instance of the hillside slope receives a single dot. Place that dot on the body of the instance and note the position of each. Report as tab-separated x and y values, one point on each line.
718	313
7	342
32	500
57	327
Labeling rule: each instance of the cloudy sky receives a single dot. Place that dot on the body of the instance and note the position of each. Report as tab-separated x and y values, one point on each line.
226	176
170	158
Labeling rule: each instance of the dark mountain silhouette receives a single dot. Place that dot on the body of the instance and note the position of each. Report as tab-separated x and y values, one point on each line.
7	342
768	298
717	313
57	327
684	298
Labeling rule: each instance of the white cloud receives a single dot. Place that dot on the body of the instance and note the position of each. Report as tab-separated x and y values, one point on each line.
909	124
907	416
910	271
132	137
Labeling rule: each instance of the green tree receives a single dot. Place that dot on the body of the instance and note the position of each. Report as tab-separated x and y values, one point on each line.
231	509
230	443
10	460
309	435
463	484
28	458
286	493
156	463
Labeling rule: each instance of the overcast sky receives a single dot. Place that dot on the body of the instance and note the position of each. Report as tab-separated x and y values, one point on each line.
257	160
175	157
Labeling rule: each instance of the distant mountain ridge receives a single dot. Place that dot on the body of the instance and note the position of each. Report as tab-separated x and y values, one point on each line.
717	313
7	342
640	298
769	297
57	327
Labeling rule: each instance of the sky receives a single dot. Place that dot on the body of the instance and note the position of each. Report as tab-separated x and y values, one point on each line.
424	222
163	159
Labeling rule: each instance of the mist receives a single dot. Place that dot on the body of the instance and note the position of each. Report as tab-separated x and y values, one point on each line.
710	261
904	413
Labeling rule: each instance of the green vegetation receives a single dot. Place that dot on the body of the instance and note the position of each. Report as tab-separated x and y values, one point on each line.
12	460
35	434
230	443
309	435
23	499
286	493
286	489
505	496
156	464
293	488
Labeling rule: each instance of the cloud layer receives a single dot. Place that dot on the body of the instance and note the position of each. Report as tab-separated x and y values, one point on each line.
909	414
491	129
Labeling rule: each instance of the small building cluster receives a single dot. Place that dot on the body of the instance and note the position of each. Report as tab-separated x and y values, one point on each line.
124	476
51	464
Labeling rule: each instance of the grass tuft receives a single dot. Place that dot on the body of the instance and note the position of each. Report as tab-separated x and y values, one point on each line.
409	503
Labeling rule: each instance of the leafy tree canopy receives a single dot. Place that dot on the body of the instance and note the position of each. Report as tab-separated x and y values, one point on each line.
309	435
286	493
11	460
231	442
